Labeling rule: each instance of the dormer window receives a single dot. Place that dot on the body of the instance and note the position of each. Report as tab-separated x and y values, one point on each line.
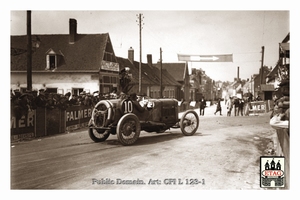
52	59
52	62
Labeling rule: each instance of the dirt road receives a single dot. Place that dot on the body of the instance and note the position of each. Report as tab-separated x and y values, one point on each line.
223	154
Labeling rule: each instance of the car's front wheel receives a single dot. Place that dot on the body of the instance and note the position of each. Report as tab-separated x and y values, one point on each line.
128	129
98	135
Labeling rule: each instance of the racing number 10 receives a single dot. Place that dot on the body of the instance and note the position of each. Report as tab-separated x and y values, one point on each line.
128	106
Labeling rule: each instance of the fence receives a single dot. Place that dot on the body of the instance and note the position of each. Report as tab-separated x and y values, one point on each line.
45	122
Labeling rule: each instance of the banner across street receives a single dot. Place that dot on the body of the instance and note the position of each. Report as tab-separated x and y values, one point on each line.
205	58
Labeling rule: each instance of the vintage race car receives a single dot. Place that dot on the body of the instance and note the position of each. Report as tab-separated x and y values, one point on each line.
127	118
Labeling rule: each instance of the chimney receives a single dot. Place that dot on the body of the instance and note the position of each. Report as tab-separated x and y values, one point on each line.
238	73
149	60
72	30
131	54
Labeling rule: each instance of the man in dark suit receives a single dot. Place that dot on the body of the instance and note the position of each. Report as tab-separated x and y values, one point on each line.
202	106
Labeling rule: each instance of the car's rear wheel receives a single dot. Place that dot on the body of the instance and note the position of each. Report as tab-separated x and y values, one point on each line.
189	123
98	135
128	129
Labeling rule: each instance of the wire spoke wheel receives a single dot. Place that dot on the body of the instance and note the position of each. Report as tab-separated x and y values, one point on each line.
189	123
128	129
98	135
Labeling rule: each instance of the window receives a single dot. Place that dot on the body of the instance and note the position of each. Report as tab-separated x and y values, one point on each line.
106	89
114	79
106	79
165	94
52	59
110	79
172	95
76	91
109	83
23	89
51	63
60	91
51	90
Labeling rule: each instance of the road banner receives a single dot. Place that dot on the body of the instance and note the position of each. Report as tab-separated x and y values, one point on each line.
205	58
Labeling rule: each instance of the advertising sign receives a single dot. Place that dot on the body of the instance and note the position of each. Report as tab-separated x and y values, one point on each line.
24	127
77	117
257	107
110	66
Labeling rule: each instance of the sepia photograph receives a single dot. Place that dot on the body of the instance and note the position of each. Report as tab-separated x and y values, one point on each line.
149	99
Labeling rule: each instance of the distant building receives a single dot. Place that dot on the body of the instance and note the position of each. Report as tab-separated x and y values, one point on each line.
150	78
181	74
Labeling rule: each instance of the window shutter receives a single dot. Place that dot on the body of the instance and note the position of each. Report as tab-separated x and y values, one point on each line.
47	62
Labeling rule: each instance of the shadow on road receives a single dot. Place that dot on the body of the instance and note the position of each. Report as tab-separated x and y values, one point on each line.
153	138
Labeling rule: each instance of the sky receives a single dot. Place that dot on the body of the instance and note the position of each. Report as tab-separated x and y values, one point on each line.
197	32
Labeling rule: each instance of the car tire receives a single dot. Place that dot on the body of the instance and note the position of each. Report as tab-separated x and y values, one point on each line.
128	129
97	136
189	123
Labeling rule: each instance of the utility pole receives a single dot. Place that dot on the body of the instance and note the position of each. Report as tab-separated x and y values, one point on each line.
140	64
262	65
161	92
29	52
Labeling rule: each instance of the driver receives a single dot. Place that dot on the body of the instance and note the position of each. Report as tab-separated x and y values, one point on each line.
136	103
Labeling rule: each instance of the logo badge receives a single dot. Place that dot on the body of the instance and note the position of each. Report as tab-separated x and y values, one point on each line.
272	171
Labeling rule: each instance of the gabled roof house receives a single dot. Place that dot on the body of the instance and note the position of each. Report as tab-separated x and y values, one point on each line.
180	73
150	78
65	62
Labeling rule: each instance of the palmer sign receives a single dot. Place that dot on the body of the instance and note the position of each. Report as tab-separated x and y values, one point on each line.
77	117
78	114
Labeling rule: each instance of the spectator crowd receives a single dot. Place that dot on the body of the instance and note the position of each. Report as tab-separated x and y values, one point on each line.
240	106
23	102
